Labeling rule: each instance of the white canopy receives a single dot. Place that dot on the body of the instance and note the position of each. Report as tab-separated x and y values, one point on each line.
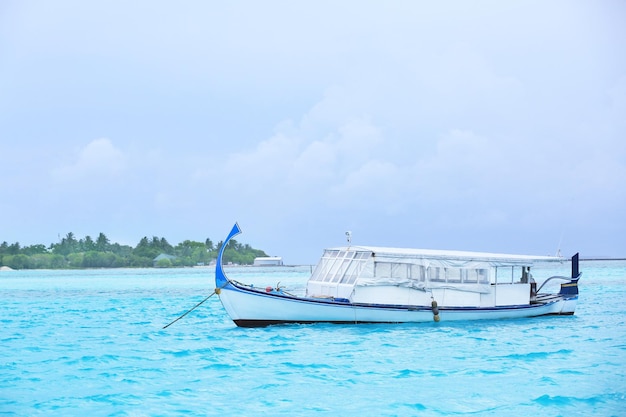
448	258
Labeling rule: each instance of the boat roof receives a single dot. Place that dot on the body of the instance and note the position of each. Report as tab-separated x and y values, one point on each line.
453	255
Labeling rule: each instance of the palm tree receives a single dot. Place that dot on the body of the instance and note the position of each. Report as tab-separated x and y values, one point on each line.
102	243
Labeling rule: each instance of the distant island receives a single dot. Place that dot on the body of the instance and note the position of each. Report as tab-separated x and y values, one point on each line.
72	253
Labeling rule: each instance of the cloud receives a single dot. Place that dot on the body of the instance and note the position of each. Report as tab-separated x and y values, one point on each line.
98	160
375	185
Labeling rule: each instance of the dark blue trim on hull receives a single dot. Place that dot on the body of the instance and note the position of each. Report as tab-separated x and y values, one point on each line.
247	323
570	289
265	323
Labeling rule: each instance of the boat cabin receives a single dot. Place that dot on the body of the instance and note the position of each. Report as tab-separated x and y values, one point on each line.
401	276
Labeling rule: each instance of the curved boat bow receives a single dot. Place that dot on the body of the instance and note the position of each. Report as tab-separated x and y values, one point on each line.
220	277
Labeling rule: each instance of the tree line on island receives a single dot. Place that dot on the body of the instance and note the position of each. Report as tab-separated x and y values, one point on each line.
101	253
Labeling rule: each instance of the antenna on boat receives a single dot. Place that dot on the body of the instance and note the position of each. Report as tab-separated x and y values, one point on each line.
349	237
558	249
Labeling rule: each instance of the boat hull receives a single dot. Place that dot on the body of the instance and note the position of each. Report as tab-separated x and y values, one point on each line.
251	307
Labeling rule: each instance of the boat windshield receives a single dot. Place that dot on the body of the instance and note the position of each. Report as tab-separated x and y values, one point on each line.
340	266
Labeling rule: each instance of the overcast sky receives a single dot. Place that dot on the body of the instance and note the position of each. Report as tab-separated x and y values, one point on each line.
484	125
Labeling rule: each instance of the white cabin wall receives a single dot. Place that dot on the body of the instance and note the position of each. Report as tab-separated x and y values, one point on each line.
489	299
317	289
506	295
447	297
344	291
499	295
512	294
328	289
390	294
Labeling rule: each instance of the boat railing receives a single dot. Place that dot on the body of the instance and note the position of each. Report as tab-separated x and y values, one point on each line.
551	278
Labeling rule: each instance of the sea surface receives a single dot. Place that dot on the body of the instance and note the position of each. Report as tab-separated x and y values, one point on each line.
92	343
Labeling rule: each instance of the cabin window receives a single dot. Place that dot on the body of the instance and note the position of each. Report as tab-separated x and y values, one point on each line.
399	271
465	273
506	273
382	269
483	276
473	276
340	266
343	268
453	274
417	272
458	275
318	273
355	268
467	276
336	264
324	265
435	274
392	270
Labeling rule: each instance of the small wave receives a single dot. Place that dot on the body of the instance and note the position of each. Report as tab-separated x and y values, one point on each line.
538	355
606	400
181	353
306	365
407	373
561	400
548	381
570	372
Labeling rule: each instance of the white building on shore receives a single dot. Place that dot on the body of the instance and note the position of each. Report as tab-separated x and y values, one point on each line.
268	261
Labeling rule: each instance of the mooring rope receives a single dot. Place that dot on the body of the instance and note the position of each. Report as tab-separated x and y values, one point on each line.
215	291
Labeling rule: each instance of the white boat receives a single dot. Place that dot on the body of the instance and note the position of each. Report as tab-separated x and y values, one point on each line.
364	284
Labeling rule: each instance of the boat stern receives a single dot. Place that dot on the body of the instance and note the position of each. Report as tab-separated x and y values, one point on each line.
570	289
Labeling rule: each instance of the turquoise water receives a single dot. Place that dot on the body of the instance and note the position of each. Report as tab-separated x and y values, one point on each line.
91	343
